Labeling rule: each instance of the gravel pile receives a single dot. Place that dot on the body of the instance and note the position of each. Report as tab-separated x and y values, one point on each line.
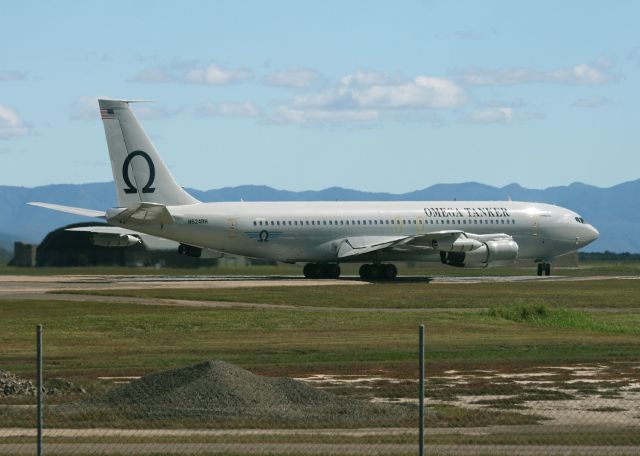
11	386
216	389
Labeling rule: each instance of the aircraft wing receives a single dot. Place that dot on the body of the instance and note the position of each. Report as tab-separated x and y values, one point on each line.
364	244
114	236
70	209
447	240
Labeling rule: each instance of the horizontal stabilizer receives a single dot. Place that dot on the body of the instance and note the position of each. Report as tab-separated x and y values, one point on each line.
141	214
70	209
103	230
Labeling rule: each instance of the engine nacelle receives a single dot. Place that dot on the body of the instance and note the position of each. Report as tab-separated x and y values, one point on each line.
502	252
189	250
114	240
459	244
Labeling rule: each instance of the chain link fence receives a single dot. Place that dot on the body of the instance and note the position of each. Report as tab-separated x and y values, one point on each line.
216	407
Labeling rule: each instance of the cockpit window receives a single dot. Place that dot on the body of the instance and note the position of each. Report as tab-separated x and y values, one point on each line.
580	220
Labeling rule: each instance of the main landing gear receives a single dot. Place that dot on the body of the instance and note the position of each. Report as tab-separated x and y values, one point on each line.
378	271
321	271
544	268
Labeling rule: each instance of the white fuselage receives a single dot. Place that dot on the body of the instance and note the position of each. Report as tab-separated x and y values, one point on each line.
313	231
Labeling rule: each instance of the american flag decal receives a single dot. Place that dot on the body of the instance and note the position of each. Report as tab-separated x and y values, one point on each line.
107	114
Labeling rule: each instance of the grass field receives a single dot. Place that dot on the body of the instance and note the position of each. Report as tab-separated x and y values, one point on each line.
487	343
618	268
126	338
596	294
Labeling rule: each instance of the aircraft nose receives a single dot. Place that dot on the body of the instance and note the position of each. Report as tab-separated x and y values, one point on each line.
589	235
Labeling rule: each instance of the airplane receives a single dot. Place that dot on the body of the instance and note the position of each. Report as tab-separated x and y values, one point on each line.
324	235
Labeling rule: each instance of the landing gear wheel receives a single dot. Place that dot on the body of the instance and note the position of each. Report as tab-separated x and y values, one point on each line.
365	271
310	270
547	269
332	271
390	271
378	271
540	268
321	271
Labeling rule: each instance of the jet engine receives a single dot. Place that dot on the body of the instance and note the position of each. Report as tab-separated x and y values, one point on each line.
114	240
189	250
501	252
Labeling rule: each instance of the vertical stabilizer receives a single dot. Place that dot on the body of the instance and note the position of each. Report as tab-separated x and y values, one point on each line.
139	173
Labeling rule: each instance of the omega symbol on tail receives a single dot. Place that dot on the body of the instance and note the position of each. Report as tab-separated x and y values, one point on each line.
125	172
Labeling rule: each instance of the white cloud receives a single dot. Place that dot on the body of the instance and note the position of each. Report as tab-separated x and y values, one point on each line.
228	109
295	78
370	78
10	75
11	124
582	74
289	115
500	115
592	102
193	73
366	91
370	96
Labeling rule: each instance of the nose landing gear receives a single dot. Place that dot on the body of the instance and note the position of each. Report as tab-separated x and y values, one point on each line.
544	268
378	271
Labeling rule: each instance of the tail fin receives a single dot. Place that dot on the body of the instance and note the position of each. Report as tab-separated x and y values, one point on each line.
139	173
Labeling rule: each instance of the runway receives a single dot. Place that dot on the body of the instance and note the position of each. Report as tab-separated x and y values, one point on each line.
69	288
29	284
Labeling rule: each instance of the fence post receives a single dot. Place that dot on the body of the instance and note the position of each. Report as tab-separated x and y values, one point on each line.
39	385
421	388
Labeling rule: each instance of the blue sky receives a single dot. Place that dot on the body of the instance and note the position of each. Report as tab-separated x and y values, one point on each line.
376	96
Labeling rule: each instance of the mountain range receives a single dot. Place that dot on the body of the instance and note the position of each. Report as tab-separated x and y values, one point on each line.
614	211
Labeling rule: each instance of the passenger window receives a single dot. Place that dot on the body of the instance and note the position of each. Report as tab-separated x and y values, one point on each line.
272	223
324	222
